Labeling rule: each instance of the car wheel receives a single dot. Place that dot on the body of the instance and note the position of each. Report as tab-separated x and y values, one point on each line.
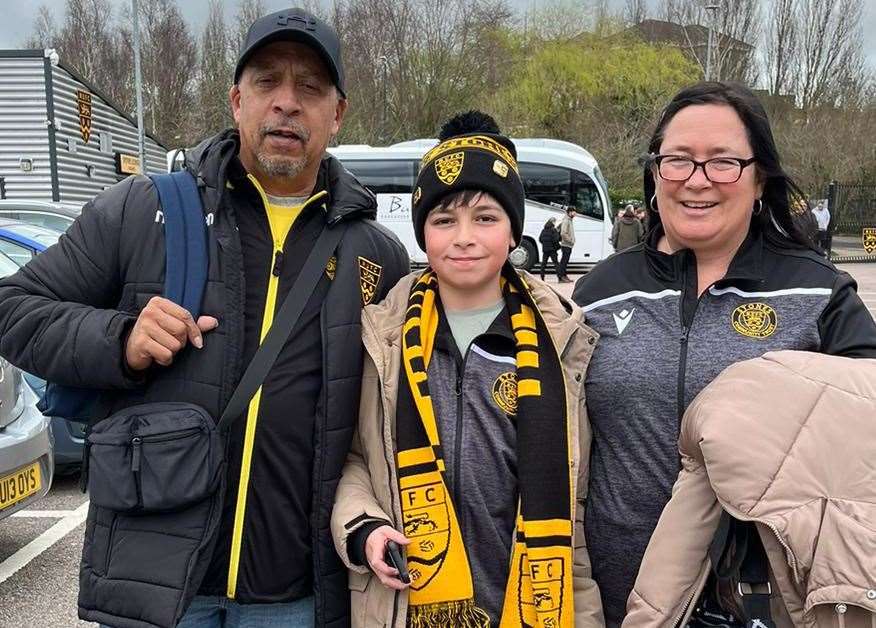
524	256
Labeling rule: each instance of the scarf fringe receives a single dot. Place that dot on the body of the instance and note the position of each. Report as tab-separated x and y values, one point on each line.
454	614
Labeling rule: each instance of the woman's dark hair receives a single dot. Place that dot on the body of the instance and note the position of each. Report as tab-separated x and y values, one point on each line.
780	193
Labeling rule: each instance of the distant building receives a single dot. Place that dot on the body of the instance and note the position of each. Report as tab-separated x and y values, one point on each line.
693	40
61	138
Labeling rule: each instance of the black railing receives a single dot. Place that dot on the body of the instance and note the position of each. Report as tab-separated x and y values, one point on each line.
852	222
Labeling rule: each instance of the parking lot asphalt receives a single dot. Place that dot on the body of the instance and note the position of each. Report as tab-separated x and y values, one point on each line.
40	547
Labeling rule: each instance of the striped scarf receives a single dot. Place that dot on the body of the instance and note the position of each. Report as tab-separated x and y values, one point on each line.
539	588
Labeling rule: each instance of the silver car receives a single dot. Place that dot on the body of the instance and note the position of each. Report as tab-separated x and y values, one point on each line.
42	213
26	464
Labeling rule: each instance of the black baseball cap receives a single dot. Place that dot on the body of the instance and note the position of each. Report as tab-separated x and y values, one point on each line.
295	25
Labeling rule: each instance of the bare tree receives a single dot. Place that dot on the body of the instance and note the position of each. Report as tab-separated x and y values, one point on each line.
102	58
248	11
781	45
215	73
736	30
424	61
45	31
635	11
169	64
830	48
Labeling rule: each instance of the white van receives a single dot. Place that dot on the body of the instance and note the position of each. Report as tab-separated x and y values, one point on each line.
555	174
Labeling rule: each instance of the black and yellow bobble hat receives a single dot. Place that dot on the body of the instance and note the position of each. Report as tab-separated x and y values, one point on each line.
472	154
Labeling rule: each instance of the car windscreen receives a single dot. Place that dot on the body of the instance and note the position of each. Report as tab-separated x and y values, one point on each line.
7	266
45	236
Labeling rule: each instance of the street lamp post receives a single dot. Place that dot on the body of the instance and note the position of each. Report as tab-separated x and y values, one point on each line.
384	71
138	86
711	8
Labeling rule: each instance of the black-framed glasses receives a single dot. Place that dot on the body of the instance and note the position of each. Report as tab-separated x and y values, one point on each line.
717	170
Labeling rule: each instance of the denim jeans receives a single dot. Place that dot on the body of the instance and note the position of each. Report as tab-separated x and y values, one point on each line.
220	612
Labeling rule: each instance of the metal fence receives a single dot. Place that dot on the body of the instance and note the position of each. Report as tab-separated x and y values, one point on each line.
852	222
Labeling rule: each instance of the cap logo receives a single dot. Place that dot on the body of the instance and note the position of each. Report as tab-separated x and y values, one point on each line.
418	194
449	167
289	20
500	168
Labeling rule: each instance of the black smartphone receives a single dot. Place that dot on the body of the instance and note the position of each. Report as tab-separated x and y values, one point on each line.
394	558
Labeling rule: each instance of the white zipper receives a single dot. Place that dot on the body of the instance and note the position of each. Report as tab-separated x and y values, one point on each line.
699	585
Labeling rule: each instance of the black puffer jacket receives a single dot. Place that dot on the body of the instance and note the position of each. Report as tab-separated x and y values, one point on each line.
65	316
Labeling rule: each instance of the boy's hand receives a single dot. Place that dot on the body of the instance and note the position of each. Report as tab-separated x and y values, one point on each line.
375	549
161	331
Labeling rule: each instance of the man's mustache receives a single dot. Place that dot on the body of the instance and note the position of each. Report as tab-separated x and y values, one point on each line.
289	126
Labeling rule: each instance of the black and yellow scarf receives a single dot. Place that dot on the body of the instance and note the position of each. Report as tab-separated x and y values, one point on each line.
539	589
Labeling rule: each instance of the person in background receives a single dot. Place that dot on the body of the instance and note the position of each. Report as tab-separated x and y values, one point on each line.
822	217
550	245
642	215
627	230
567	242
723	276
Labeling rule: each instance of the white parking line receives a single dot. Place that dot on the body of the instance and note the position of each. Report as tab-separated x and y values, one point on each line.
39	514
43	542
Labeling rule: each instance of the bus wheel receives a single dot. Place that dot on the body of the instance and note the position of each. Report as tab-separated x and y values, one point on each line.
524	256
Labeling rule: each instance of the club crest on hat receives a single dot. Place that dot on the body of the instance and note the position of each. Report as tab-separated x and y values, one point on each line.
369	277
449	167
868	239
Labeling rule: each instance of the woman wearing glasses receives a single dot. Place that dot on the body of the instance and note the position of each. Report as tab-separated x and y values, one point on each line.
723	276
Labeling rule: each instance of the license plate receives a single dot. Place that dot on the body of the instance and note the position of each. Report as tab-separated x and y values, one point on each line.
20	484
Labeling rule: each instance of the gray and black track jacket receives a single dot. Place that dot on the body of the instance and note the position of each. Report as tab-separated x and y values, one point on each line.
660	345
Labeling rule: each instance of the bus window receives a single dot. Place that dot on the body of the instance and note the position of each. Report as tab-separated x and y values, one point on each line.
546	184
585	196
387	176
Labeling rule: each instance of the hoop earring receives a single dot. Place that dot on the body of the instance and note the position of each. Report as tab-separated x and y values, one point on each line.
652	206
759	209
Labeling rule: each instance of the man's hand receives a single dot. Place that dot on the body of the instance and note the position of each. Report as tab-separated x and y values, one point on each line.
161	331
375	549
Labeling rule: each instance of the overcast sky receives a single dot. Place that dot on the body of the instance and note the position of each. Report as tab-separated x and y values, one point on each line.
18	17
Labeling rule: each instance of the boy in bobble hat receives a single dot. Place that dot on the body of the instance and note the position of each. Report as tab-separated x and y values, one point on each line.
472	445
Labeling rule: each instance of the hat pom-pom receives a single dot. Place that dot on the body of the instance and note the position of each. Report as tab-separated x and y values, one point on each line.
469	122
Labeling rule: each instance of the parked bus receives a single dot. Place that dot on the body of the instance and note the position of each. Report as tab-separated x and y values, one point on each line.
556	175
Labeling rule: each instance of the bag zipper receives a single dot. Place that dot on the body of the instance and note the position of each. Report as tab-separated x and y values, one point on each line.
160	438
136	443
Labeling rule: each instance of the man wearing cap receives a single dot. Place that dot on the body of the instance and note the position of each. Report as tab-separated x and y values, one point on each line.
92	305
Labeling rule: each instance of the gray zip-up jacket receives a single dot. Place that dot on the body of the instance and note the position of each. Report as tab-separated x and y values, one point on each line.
661	344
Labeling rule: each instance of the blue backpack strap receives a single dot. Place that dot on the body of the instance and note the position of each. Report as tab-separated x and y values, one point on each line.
185	239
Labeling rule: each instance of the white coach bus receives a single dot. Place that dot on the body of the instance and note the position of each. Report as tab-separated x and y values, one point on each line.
555	174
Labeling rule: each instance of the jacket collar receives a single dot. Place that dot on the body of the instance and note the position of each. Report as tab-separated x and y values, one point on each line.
382	322
746	265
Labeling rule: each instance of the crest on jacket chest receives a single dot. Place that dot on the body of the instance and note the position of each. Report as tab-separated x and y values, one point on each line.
755	320
369	278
